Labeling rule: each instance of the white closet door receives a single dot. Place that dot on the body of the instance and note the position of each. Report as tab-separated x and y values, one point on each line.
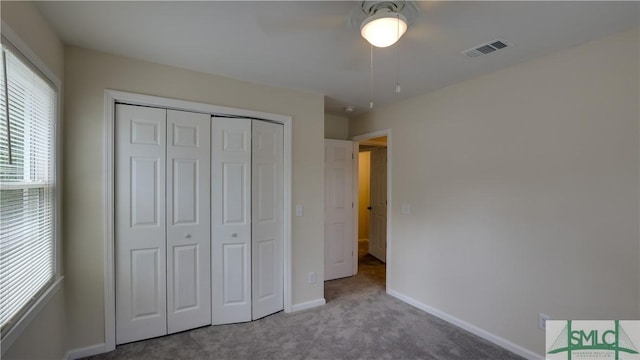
267	233
338	209
188	220
231	220
140	223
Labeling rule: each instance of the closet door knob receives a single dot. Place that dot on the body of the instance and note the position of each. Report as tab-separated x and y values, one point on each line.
234	235
187	236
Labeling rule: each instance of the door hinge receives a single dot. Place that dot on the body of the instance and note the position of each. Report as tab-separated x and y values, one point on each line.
352	205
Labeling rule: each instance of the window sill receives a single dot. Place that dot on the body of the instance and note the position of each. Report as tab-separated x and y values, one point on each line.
28	317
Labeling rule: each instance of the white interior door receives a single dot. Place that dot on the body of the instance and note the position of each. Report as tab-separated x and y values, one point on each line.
188	220
378	219
231	220
267	233
141	309
338	180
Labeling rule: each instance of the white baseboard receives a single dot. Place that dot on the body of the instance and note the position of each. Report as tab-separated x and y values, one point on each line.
102	348
308	305
74	354
519	350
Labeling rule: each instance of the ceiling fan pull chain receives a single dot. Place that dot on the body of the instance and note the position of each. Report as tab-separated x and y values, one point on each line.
398	57
371	81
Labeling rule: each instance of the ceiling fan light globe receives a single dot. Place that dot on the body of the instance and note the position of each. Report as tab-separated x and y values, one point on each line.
382	30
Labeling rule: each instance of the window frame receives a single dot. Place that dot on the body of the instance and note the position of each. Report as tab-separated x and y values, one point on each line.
13	41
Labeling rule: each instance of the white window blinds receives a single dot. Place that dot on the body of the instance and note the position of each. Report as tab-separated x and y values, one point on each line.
27	186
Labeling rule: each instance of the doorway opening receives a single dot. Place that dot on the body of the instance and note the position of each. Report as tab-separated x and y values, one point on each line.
372	208
357	244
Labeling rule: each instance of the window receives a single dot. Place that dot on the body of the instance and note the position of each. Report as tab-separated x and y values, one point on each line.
28	108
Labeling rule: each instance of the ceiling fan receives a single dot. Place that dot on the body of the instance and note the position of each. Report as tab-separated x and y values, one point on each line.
351	18
384	26
382	23
300	16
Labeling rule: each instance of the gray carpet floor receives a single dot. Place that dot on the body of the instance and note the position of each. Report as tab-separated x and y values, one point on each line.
359	321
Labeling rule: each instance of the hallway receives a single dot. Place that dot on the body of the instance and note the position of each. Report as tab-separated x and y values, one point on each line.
371	277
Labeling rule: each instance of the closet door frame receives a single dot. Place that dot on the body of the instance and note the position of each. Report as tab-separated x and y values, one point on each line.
111	97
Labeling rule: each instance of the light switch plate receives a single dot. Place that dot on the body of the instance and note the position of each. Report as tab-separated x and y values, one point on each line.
299	210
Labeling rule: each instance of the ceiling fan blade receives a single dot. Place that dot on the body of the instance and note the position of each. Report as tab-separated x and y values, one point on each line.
419	32
292	25
356	60
352	51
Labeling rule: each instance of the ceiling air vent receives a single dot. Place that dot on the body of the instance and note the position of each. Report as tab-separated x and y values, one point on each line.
487	48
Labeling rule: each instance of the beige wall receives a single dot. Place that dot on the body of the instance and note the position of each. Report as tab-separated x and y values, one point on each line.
45	337
524	188
48	329
336	127
87	75
25	19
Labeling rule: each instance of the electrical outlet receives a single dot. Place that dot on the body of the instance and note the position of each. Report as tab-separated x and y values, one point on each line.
312	278
542	321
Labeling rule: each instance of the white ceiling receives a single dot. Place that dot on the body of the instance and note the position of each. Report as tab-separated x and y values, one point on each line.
315	46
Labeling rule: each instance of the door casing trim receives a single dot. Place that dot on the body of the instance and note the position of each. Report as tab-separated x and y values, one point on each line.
356	140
